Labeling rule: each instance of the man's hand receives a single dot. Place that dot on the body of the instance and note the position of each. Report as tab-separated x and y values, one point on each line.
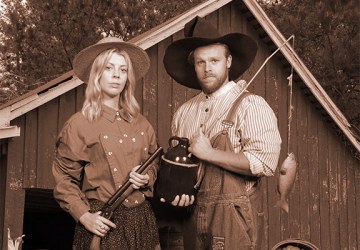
185	200
96	224
200	146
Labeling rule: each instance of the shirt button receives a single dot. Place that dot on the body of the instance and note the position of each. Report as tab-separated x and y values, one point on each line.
119	119
145	149
109	153
105	136
125	135
115	169
206	110
121	141
142	133
133	139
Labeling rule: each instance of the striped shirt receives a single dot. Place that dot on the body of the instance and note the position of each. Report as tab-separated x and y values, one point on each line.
255	130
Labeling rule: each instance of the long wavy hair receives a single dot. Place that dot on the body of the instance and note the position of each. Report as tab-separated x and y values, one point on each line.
93	98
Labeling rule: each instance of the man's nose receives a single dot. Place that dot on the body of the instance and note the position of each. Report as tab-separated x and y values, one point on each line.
207	66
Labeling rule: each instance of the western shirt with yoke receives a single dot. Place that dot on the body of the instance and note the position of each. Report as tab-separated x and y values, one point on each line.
93	159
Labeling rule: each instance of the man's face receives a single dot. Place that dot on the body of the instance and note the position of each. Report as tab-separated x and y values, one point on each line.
212	67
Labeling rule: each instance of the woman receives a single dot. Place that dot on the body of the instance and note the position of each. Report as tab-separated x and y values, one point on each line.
103	145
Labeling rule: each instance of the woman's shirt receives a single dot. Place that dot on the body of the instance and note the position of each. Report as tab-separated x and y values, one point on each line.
93	159
255	131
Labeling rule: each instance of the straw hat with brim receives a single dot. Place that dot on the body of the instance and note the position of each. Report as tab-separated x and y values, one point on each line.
85	58
198	33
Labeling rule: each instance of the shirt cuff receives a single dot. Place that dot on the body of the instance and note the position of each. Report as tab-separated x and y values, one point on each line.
79	210
256	166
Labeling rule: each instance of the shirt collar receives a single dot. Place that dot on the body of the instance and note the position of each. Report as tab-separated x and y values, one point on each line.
222	90
111	114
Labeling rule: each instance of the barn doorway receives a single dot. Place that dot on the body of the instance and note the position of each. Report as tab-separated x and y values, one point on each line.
46	225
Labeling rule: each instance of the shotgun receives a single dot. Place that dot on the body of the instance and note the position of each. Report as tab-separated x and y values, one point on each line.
120	195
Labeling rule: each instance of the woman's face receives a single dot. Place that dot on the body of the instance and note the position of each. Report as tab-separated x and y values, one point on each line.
114	77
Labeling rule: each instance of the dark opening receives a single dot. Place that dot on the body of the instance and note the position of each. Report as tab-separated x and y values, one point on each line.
46	225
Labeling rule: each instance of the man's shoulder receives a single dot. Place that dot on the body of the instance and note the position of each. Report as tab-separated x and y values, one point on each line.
193	100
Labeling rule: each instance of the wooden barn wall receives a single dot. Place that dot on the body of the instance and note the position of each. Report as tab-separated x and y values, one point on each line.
324	205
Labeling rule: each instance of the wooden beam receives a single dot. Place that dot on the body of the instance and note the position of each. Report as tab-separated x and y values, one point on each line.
159	33
11	131
45	97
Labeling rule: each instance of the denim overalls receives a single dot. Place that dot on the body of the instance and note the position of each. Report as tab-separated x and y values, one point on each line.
226	215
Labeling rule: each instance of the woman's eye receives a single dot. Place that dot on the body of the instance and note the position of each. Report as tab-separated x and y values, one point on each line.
124	70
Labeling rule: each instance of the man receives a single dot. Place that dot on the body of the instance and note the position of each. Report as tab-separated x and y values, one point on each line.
233	133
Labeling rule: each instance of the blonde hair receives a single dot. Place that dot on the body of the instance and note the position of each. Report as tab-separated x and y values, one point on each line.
93	100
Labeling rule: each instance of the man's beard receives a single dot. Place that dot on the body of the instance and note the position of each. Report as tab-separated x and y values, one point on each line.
210	87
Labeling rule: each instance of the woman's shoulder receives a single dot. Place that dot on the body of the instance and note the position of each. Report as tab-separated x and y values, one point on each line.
77	118
76	121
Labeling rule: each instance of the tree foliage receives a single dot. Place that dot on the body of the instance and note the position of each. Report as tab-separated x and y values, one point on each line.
39	39
327	39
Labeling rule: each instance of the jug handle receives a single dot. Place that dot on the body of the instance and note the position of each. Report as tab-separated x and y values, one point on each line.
173	138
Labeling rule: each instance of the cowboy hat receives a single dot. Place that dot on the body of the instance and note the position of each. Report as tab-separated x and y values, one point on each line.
198	32
85	58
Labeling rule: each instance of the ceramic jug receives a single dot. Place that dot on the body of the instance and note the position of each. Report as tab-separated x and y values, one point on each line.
178	170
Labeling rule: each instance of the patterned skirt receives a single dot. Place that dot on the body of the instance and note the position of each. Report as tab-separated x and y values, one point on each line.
136	229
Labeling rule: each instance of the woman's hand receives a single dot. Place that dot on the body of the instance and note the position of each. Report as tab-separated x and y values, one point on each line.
138	180
96	224
184	201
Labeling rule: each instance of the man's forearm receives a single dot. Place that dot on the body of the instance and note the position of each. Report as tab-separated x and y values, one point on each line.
234	162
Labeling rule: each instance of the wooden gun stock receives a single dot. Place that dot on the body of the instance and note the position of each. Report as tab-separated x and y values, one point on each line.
120	195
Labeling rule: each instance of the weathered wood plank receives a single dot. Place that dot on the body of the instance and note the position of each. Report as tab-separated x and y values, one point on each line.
31	147
313	156
178	91
334	193
273	213
324	185
343	198
80	96
357	191
15	194
47	133
302	120
352	205
67	107
164	97
139	90
150	92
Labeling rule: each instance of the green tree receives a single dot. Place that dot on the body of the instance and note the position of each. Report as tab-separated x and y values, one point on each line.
38	39
327	39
